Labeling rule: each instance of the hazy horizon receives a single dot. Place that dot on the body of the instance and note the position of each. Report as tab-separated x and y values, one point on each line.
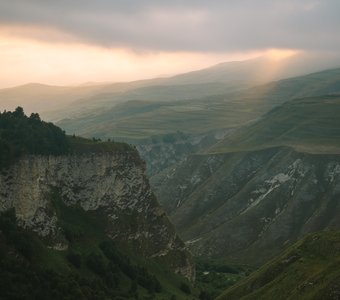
66	43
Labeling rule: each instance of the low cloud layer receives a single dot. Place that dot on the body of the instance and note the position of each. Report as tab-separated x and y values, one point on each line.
193	25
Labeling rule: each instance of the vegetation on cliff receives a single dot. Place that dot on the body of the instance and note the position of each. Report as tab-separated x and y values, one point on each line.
91	267
20	135
79	260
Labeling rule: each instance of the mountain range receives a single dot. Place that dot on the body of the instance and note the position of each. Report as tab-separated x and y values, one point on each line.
245	166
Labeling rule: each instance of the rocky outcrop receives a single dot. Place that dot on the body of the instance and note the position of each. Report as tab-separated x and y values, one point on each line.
247	206
167	150
113	184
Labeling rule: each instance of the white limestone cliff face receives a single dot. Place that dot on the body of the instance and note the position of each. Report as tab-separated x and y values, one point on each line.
115	184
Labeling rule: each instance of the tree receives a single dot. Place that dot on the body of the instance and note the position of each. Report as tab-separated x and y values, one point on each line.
35	117
19	112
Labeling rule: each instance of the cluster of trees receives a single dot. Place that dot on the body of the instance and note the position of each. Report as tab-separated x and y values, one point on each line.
21	281
15	235
213	277
22	276
137	274
110	272
20	135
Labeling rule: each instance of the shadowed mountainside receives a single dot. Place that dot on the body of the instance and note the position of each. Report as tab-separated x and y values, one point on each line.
245	203
310	269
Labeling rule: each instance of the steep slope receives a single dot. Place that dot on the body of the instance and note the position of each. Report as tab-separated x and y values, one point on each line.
112	182
94	194
161	152
307	270
245	203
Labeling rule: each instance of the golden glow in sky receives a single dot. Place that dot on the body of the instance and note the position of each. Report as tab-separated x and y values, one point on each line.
25	61
281	54
71	42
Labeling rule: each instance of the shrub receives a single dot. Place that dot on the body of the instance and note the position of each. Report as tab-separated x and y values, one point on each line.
74	259
185	288
95	263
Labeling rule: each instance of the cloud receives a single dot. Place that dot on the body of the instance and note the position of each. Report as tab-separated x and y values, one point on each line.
192	25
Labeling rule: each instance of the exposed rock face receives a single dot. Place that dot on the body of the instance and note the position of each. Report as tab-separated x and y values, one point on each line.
114	184
165	151
248	206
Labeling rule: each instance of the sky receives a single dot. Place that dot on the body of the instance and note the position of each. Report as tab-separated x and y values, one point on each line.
76	41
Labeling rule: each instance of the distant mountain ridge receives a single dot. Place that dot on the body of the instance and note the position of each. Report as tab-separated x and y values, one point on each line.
145	118
219	79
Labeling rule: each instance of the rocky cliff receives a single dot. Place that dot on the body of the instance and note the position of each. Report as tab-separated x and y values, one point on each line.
112	184
247	206
164	151
263	186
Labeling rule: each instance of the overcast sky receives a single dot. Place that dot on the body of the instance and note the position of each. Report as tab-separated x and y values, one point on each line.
150	37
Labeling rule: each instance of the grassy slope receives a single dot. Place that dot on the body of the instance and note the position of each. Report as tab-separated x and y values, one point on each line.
310	269
310	125
141	119
55	102
315	84
81	145
150	116
35	97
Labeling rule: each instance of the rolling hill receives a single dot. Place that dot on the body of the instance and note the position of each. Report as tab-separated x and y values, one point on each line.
310	125
58	102
138	119
55	102
307	270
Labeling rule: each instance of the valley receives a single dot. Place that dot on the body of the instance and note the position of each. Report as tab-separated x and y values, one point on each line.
242	172
169	150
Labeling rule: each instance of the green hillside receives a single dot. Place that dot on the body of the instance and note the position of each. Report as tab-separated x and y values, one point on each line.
315	84
57	102
142	119
310	269
309	125
162	110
